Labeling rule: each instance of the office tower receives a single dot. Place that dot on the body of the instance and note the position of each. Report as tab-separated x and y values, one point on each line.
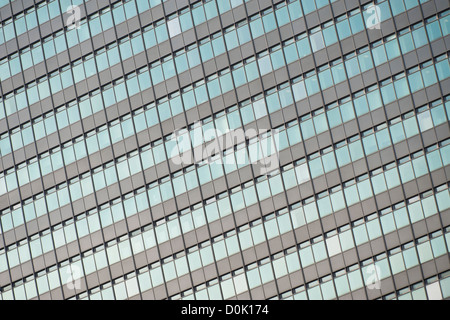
327	176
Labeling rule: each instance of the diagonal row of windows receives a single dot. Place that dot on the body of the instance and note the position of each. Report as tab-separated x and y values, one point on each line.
397	260
318	164
171	149
232	39
353	191
44	126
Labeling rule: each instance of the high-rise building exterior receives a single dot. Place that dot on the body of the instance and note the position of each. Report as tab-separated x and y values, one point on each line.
224	149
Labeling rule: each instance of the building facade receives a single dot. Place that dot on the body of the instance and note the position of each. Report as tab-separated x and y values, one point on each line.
224	149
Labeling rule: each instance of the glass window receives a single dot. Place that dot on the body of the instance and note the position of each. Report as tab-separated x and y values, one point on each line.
174	27
317	42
